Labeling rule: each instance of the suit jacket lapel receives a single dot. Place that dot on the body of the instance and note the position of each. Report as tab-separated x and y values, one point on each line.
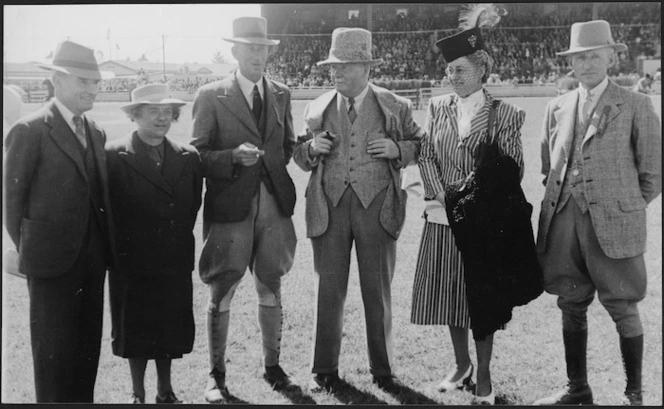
232	98
138	159
64	137
606	110
316	110
97	146
273	101
566	119
451	114
174	160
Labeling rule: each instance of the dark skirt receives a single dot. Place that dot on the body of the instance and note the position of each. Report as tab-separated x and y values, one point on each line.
152	316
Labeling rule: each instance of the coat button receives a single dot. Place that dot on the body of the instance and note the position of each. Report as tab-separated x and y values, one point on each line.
553	204
171	205
575	172
345	182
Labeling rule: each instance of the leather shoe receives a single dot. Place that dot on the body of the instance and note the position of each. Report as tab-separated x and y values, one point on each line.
633	399
135	399
464	380
277	378
169	397
570	395
490	399
387	382
216	391
324	382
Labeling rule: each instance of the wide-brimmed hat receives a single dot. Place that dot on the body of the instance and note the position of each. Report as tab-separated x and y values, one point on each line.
153	94
77	60
350	45
591	35
250	30
461	44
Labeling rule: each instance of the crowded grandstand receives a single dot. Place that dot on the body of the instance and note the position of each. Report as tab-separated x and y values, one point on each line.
523	45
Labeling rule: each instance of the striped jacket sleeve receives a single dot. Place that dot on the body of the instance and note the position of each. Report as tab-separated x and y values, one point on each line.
428	160
510	120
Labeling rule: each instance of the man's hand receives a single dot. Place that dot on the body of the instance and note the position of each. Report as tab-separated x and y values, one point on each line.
321	144
247	154
384	148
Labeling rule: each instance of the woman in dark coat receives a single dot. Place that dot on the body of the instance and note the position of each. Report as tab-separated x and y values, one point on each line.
155	187
455	125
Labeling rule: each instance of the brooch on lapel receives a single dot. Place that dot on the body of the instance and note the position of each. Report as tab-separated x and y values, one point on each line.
472	40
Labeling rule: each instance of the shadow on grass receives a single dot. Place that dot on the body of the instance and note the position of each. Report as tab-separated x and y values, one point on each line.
350	395
297	396
407	396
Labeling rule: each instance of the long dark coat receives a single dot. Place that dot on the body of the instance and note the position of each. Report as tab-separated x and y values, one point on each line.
151	288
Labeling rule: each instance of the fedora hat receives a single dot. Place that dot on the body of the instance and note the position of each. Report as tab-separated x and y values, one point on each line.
250	30
77	60
591	35
350	45
153	94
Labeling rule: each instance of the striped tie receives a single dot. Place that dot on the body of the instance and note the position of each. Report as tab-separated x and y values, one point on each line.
351	110
80	131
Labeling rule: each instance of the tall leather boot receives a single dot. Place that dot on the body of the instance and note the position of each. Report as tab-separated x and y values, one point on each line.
217	329
632	355
577	391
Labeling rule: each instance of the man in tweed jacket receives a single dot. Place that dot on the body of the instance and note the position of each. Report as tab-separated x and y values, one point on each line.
601	158
354	195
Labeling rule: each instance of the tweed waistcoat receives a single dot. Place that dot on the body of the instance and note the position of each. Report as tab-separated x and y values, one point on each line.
349	162
573	184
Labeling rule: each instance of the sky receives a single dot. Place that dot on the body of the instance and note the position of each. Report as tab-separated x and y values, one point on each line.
193	32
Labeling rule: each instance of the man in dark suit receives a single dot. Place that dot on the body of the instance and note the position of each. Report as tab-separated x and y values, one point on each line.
242	127
57	214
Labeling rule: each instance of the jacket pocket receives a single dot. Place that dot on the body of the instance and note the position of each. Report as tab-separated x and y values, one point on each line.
632	204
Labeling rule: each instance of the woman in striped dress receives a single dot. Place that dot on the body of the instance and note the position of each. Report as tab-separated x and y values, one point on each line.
455	125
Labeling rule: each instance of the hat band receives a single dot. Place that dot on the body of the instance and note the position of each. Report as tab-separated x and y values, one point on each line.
254	35
76	64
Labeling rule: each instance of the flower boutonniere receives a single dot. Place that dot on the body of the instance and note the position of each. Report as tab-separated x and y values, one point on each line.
602	121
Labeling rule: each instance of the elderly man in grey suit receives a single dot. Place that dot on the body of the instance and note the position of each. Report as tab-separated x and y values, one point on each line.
242	127
601	158
355	142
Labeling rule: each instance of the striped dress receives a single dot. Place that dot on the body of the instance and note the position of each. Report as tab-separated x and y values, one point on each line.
439	290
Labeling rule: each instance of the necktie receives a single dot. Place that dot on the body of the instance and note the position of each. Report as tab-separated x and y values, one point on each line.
351	110
80	131
258	104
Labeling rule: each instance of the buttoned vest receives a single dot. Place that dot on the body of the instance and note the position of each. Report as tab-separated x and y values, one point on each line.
349	163
573	184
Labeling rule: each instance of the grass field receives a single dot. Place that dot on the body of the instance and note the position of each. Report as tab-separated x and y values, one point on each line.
528	358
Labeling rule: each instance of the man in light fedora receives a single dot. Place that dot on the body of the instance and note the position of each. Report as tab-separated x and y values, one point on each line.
58	215
601	161
355	142
243	129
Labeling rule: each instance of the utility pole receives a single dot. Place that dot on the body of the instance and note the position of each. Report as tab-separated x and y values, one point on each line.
163	50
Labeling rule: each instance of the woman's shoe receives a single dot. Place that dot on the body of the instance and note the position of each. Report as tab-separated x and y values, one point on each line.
490	399
448	385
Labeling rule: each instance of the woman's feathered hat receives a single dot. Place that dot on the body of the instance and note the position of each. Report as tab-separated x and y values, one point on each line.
473	18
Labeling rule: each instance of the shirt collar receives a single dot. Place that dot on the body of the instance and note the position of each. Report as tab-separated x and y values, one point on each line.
358	99
595	92
475	98
247	86
67	114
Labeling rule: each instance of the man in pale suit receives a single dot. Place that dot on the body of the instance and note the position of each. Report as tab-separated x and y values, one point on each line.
57	213
355	142
601	158
242	127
